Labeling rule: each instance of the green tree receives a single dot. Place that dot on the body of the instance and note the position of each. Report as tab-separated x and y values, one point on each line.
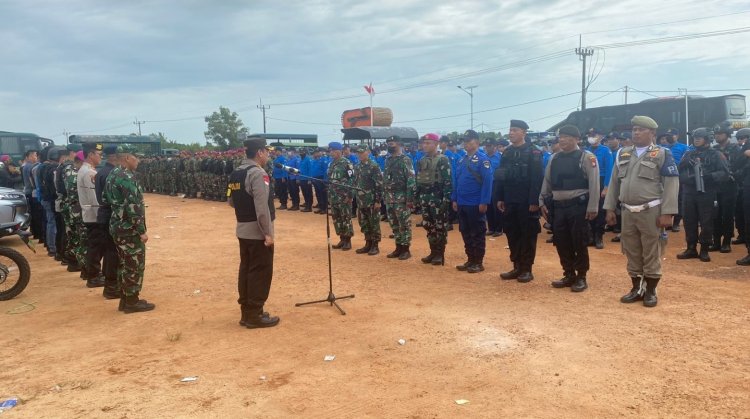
224	129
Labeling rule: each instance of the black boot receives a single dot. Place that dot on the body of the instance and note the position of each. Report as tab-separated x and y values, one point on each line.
636	293
690	253
439	258
566	281
746	260
347	243
396	253
649	299
373	249
726	245
579	285
405	254
428	258
512	274
704	256
340	244
134	305
257	321
365	249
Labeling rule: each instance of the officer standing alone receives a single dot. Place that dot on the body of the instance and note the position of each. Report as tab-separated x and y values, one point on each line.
572	180
251	197
645	181
518	182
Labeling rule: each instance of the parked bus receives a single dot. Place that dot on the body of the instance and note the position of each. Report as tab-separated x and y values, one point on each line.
16	144
668	112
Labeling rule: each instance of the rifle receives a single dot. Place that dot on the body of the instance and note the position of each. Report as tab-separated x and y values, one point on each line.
698	167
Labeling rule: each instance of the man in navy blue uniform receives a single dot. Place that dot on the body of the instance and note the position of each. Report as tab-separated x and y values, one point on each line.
605	161
494	216
471	197
280	178
293	160
517	187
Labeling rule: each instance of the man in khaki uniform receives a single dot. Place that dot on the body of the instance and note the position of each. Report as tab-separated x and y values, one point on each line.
645	180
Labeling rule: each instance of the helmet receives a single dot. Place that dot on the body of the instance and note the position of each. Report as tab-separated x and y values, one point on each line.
743	133
702	133
723	128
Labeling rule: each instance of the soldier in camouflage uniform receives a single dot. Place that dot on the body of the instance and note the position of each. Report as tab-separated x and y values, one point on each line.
369	183
128	229
399	188
434	187
341	172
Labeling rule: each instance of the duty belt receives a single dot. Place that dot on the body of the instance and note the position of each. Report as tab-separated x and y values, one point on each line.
642	207
579	200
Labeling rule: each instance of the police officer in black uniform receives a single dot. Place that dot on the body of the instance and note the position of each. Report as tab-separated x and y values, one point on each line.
727	191
571	180
701	170
517	184
744	134
251	197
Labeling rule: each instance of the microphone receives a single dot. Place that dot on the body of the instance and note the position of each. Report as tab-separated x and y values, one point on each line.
291	170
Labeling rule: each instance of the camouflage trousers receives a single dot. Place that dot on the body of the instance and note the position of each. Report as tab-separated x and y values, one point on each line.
369	223
341	212
76	238
399	216
435	220
132	257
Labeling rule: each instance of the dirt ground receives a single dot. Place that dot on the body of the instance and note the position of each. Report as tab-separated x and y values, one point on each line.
510	349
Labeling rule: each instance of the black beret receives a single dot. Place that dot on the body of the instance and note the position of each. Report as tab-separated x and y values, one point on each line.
89	147
570	130
254	144
470	134
517	123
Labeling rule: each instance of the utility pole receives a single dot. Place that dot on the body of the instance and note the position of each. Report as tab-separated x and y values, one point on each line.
687	126
583	53
263	108
139	123
470	91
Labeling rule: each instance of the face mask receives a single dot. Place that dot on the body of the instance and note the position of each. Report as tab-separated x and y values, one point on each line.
592	140
392	149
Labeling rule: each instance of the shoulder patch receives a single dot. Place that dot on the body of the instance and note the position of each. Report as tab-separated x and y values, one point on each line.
592	159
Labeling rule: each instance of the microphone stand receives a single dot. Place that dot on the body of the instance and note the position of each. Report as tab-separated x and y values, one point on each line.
331	299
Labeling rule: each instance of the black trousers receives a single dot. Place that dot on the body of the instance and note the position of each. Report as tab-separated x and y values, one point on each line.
739	213
698	211
522	228
598	223
37	223
307	192
255	275
724	220
473	226
281	190
570	235
293	187
321	195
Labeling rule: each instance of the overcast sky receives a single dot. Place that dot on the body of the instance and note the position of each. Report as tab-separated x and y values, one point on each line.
94	66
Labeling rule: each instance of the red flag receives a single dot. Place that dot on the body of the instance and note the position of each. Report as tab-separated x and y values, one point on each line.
370	89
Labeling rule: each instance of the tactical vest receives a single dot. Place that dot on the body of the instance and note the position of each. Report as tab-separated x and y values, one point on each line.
567	172
428	174
244	204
